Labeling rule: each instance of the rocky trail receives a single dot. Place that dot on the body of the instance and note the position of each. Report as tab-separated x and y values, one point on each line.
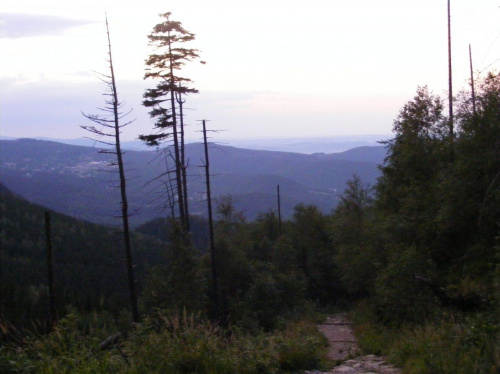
344	349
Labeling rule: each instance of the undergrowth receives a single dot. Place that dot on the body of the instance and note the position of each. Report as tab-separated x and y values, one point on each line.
450	344
184	343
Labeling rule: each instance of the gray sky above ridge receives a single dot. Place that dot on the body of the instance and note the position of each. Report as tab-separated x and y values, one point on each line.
274	68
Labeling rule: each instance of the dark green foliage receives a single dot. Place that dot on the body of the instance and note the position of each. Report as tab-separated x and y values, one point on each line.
438	222
358	246
88	263
187	344
416	157
168	38
439	219
161	228
178	284
400	294
313	249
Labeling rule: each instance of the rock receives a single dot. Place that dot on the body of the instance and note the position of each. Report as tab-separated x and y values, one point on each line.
344	370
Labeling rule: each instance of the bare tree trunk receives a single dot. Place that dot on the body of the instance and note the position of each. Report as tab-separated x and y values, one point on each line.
450	86
211	226
170	191
279	210
183	161
123	191
472	85
50	272
2	301
178	165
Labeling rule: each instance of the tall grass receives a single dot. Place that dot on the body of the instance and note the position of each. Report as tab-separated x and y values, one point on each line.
185	344
182	343
463	347
452	344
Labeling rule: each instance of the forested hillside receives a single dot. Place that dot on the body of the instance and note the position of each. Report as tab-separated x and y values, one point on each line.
88	261
76	180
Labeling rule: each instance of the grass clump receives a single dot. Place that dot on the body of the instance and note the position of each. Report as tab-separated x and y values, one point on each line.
467	346
182	343
67	349
187	344
450	344
301	346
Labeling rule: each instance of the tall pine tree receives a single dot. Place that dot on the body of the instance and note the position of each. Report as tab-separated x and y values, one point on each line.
168	38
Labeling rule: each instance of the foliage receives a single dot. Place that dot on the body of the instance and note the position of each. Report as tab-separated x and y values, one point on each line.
438	215
314	254
435	303
301	347
179	282
88	265
448	347
167	344
186	344
67	349
402	297
372	336
358	249
167	37
161	228
455	343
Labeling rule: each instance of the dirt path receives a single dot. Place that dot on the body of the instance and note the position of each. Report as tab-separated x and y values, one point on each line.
344	350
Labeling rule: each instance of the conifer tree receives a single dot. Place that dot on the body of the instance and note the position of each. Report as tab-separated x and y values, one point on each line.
168	38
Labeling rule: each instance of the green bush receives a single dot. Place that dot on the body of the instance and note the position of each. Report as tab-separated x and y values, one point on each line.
451	344
401	297
67	349
448	347
301	347
178	344
188	344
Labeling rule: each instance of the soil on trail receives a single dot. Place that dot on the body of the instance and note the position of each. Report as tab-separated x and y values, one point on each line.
344	349
343	343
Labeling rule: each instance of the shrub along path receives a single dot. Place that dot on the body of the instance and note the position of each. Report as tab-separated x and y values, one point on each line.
345	351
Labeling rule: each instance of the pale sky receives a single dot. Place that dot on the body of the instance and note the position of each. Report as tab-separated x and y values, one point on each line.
275	68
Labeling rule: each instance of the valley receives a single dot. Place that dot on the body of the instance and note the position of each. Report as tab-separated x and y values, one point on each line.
81	182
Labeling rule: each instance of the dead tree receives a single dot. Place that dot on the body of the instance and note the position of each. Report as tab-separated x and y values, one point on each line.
472	85
450	86
213	254
183	165
110	127
279	209
50	272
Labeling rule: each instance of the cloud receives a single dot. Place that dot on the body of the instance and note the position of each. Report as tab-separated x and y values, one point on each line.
20	25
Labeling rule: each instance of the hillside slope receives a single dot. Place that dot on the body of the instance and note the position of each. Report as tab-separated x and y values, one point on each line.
76	180
89	267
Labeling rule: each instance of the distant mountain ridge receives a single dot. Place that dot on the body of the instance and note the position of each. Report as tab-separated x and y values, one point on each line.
331	144
76	181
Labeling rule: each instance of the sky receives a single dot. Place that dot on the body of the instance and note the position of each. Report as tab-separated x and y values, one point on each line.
274	68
